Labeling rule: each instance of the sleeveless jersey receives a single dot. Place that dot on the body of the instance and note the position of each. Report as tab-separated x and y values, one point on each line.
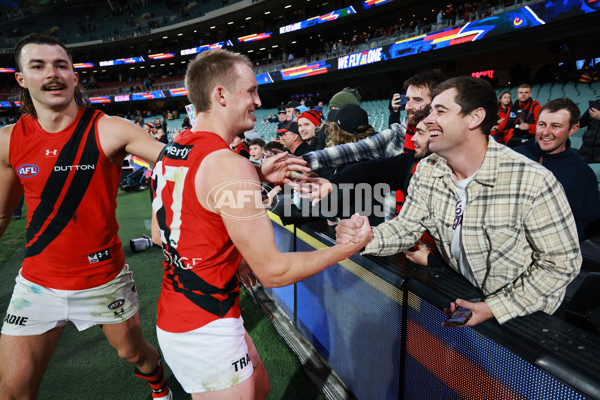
70	193
200	284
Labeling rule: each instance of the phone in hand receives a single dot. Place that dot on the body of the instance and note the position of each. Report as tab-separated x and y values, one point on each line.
593	103
459	317
398	100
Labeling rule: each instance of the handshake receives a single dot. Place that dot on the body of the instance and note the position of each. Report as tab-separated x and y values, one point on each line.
355	230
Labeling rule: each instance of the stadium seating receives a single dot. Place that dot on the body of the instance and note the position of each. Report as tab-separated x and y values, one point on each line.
96	21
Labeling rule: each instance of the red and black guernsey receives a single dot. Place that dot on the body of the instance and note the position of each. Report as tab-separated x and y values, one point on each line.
70	193
200	283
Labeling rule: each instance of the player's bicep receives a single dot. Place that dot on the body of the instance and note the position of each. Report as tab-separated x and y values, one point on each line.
119	136
11	189
255	240
234	192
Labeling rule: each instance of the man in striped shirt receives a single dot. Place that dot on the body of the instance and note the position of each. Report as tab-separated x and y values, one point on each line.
499	219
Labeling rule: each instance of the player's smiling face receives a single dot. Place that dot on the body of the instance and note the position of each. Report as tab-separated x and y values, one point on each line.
47	72
244	99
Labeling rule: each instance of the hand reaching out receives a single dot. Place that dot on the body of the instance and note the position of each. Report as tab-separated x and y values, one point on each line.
283	168
317	188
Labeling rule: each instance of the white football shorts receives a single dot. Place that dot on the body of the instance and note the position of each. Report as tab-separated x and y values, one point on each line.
213	357
35	309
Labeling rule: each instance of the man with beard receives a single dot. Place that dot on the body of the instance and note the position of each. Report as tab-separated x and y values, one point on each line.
398	170
387	143
291	139
67	160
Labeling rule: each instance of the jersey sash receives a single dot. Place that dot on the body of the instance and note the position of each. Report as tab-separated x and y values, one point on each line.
45	225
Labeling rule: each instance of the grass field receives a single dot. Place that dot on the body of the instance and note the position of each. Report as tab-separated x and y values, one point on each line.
84	366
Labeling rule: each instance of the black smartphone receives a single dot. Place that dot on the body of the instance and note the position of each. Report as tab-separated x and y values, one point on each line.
459	317
593	103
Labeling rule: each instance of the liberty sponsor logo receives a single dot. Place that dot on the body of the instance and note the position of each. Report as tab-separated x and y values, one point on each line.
241	363
15	320
62	168
51	153
229	198
177	151
28	170
98	256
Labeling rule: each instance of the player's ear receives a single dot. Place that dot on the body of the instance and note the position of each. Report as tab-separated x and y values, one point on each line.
219	95
20	79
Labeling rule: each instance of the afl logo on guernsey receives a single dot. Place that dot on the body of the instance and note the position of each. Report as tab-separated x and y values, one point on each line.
28	170
116	304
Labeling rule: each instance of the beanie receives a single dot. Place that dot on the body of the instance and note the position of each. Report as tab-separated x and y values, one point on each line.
350	117
346	96
311	115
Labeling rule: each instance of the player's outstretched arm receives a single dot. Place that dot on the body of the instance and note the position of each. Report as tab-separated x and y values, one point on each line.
119	136
233	191
11	190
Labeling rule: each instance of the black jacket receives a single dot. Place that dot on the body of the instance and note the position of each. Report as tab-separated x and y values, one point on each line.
590	146
576	177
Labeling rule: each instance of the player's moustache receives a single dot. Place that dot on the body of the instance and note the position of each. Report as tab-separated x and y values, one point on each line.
53	83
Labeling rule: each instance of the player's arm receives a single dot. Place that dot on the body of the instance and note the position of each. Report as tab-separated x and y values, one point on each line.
11	190
119	136
245	218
